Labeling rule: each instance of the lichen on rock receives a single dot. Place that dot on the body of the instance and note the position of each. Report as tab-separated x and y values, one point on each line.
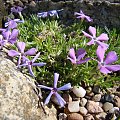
18	100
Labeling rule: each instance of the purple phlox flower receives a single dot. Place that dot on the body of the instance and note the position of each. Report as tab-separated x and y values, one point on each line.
83	16
105	64
16	9
10	36
10	25
53	13
78	58
13	23
20	52
50	13
54	90
42	14
99	40
30	63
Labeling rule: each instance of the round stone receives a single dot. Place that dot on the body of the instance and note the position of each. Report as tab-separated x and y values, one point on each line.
83	110
83	102
96	98
79	91
75	116
107	106
73	106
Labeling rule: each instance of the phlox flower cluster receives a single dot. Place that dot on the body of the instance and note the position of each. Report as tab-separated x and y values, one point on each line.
105	65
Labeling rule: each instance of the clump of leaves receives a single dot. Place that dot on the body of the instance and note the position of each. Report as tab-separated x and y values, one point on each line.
54	41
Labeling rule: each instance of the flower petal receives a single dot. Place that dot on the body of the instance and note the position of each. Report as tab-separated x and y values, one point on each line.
103	45
13	53
88	19
23	65
65	87
72	60
72	53
113	67
100	53
80	54
91	42
76	13
45	87
31	51
86	34
48	98
104	70
103	37
83	61
111	57
33	60
30	70
60	100
39	64
56	76
13	36
21	46
12	24
6	34
92	30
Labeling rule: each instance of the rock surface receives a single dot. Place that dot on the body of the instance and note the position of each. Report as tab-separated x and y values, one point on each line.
18	100
103	12
93	107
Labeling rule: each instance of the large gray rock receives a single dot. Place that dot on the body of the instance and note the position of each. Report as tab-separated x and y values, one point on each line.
3	12
103	12
18	100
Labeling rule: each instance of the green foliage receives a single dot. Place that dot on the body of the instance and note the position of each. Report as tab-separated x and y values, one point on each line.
54	41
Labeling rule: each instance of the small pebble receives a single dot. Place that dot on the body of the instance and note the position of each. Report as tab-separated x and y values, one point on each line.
93	107
73	106
83	110
107	98
107	106
62	116
83	102
97	98
79	91
96	89
75	116
117	101
101	116
89	117
114	109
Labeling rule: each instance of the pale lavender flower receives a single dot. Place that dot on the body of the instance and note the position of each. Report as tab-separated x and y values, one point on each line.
53	13
20	52
83	16
105	64
30	63
14	24
99	40
77	58
54	91
16	9
50	13
10	26
42	14
8	37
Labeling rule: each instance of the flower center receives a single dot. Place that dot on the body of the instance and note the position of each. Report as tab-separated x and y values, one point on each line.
30	63
102	63
54	90
94	38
